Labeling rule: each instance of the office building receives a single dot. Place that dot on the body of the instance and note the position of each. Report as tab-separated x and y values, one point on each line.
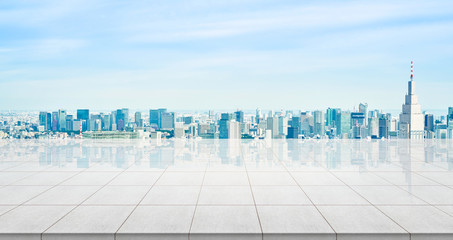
319	123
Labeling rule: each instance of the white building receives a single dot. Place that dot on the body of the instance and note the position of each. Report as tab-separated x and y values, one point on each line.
411	119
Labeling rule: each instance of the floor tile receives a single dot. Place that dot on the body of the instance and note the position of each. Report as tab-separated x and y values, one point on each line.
118	195
212	222
433	194
421	220
12	177
172	195
387	195
46	178
20	194
280	195
31	220
333	195
316	178
405	178
91	221
358	178
358	222
160	222
294	222
226	195
136	178
445	178
270	178
64	195
181	178
238	178
91	178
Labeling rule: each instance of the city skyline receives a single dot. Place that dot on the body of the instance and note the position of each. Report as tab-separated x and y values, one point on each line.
237	54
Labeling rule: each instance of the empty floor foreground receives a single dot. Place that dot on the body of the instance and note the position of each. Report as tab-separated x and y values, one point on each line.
208	189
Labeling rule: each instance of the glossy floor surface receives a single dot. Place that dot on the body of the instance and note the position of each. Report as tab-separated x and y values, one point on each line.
207	189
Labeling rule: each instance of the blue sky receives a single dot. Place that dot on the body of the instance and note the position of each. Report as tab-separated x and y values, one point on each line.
223	54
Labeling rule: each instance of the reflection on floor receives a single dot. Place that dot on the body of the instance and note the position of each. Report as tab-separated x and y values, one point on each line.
208	189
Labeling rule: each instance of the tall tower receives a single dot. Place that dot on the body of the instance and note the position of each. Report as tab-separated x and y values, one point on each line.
411	118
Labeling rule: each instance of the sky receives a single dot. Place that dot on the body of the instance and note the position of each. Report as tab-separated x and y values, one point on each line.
233	54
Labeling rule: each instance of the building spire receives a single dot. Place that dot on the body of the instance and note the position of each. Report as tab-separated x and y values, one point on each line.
412	70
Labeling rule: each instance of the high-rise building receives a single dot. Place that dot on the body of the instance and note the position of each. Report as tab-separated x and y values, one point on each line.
319	123
224	125
106	122
55	121
343	124
293	133
272	125
373	127
234	130
282	126
155	117
429	122
384	125
450	116
331	117
84	116
258	116
239	116
69	123
138	119
358	119
411	119
45	119
62	120
363	108
167	121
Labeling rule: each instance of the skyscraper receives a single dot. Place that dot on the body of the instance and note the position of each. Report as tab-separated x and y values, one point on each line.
319	123
450	115
239	116
45	119
343	124
155	117
411	119
84	116
272	125
331	117
429	122
224	126
138	119
62	120
167	121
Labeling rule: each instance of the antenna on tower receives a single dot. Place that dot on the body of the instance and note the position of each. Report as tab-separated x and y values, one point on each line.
412	70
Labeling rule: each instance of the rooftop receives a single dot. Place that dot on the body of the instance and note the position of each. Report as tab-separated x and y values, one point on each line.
218	189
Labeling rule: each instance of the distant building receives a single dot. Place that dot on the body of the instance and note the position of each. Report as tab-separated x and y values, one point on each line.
293	133
155	117
282	126
167	121
411	119
319	123
45	119
343	124
384	126
429	122
239	116
83	115
272	125
224	125
331	117
62	120
450	115
138	119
